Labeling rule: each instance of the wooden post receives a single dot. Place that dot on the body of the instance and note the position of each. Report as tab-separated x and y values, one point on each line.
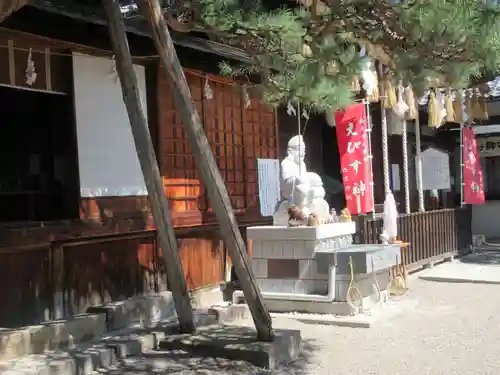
149	166
385	142
418	165
217	191
406	172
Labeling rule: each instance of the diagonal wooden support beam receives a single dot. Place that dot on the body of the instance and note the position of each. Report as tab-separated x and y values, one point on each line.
149	165
209	170
7	7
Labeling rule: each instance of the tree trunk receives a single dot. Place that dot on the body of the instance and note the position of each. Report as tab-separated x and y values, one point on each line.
149	165
212	178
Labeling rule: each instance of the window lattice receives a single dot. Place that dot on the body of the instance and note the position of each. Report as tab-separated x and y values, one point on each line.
237	134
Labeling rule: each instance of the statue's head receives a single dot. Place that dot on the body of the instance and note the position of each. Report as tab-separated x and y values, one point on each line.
297	149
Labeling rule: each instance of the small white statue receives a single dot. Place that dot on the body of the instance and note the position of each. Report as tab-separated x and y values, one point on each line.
299	187
317	202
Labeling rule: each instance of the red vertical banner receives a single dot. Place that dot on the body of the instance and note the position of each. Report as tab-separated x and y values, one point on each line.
352	138
472	173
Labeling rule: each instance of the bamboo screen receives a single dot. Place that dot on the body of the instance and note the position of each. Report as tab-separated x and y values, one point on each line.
238	135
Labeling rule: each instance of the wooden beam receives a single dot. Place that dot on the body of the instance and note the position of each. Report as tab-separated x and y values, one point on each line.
149	165
209	170
7	7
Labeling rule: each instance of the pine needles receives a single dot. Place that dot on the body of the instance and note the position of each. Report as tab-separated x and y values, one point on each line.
313	58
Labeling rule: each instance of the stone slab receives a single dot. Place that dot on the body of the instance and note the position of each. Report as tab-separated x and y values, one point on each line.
226	313
64	333
137	339
239	343
278	233
380	314
52	335
462	272
81	360
101	353
14	343
206	297
53	363
315	304
381	257
88	359
146	310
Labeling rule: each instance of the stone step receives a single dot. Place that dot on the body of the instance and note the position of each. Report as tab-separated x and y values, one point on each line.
103	353
50	336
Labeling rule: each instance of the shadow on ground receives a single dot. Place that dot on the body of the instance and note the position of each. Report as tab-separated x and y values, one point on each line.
182	362
484	256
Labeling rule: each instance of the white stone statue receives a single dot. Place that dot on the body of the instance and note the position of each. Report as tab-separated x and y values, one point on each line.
317	202
299	187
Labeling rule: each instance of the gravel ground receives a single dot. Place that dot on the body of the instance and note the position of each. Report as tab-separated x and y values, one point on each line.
453	330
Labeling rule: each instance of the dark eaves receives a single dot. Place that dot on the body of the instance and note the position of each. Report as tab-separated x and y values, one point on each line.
90	11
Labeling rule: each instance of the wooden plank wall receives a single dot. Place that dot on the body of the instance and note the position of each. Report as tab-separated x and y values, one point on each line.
238	134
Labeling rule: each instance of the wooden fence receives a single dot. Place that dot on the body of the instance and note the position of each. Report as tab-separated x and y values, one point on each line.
433	235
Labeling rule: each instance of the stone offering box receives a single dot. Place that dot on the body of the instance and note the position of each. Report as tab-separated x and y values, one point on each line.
302	268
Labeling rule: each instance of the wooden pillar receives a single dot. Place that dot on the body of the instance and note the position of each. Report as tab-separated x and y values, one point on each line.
385	141
406	172
216	189
418	165
149	166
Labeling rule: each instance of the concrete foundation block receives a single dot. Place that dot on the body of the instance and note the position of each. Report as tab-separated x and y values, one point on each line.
126	347
64	333
239	343
145	310
206	297
53	363
364	283
14	343
89	359
202	317
230	313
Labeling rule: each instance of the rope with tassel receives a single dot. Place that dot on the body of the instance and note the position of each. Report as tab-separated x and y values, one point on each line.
412	114
483	106
375	96
469	108
479	106
389	99
434	110
418	166
448	106
385	142
406	176
409	97
355	85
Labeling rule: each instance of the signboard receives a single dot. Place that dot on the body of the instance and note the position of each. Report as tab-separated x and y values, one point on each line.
435	169
269	185
488	146
352	138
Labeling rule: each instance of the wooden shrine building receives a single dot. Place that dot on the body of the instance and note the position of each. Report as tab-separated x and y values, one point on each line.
74	217
75	225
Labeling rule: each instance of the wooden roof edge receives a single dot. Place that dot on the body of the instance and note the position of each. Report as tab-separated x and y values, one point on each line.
196	43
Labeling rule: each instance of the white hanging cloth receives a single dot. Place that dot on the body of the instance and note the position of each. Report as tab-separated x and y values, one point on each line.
390	218
30	70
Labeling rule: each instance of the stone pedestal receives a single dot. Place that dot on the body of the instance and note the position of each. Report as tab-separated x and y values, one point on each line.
369	262
283	258
310	266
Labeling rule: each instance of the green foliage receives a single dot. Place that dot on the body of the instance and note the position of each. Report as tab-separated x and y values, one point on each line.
453	40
